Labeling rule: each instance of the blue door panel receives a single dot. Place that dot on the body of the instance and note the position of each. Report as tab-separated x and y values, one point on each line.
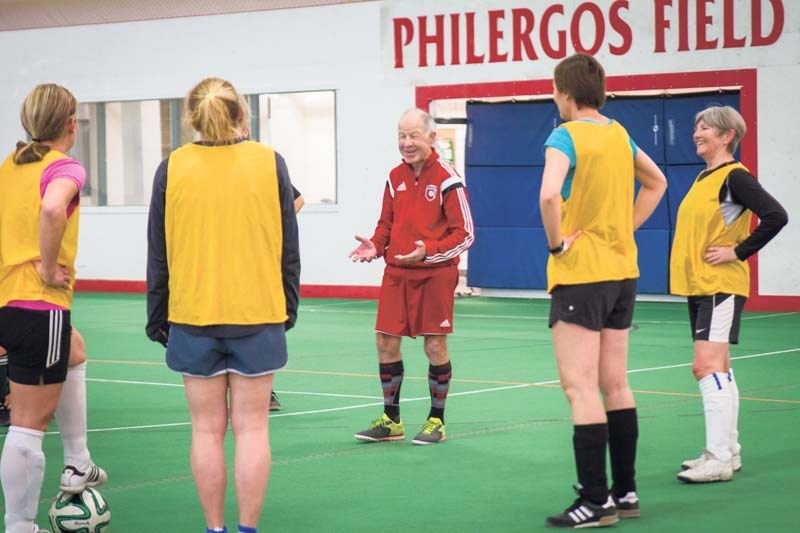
504	196
509	134
508	258
653	245
643	118
679	181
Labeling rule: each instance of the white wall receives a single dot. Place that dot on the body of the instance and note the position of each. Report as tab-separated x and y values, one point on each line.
350	49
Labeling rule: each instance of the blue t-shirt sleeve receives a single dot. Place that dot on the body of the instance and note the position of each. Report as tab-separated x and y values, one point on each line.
634	148
561	140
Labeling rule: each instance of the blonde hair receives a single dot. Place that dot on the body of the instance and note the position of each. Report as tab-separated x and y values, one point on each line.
722	119
213	109
45	114
245	116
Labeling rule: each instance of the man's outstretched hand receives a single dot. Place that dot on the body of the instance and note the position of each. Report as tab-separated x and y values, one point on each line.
365	252
414	257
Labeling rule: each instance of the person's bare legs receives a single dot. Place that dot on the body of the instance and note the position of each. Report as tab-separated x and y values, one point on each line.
388	347
577	351
614	370
250	423
22	462
623	423
208	407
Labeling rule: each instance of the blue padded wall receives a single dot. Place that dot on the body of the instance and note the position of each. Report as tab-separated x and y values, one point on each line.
508	258
679	181
505	196
508	134
653	245
504	161
660	217
643	118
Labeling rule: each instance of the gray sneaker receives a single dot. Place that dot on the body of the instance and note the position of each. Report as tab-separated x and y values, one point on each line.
382	429
432	432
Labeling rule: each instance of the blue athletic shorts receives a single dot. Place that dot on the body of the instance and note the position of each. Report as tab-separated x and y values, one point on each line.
202	356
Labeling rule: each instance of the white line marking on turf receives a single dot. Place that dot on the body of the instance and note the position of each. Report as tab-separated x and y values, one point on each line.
770	315
312	412
523	317
682	365
316	307
125	382
375	404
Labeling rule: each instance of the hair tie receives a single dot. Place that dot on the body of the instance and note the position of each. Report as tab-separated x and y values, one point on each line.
34	139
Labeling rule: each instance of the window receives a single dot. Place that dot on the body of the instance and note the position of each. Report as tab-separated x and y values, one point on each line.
122	143
302	128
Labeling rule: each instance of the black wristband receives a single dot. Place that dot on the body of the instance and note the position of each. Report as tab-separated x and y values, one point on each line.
557	250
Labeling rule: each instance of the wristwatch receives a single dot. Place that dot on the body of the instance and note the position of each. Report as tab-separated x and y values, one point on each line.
560	249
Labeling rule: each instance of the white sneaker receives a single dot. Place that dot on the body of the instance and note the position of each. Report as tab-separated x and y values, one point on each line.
74	481
736	461
708	471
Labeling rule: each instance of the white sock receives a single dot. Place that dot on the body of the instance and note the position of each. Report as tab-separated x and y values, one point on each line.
734	440
22	473
71	418
717	406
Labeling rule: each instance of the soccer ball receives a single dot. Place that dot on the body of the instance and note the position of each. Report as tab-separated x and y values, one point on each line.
86	512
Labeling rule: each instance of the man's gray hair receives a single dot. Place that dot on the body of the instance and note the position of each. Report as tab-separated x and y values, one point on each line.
427	120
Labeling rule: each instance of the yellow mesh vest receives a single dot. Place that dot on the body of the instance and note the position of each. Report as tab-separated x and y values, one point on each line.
700	224
600	204
20	204
224	236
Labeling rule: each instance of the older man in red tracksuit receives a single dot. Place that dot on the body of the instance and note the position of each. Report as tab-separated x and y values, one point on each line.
425	224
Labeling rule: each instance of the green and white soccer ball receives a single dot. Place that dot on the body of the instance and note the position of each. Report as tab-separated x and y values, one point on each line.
86	512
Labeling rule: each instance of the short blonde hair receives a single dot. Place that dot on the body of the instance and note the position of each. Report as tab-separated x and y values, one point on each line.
213	109
45	114
722	119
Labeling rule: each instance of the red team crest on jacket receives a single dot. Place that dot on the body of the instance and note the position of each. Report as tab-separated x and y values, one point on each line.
430	192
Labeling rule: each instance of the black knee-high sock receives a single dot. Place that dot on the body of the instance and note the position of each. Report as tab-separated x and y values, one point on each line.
391	381
623	432
439	382
589	442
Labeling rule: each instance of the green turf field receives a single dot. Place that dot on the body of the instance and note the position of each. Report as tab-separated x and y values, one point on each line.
507	462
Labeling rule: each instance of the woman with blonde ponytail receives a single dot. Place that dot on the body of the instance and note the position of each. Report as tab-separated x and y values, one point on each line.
39	196
223	271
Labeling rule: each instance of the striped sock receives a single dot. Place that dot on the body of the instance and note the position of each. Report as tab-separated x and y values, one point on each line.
391	381
439	382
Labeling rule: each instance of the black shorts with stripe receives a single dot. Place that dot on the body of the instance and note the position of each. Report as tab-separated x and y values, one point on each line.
37	343
595	306
716	318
